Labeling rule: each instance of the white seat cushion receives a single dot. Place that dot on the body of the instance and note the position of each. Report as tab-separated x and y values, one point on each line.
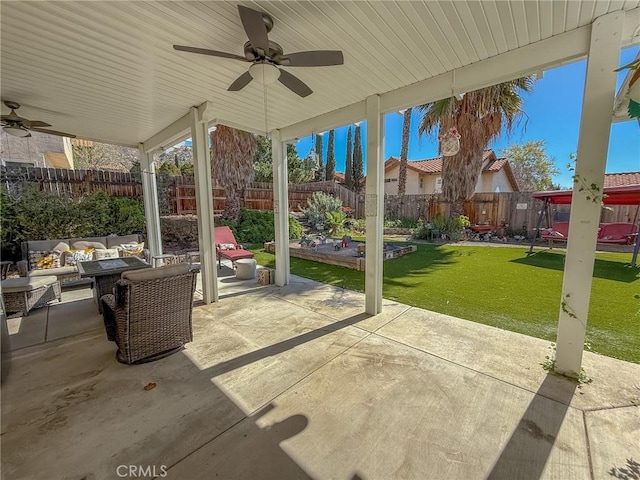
53	271
26	284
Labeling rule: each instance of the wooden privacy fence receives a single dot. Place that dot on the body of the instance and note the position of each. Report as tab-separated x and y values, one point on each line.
76	182
518	209
259	196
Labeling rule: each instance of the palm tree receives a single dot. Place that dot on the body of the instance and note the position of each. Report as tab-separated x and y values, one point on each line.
232	152
479	118
404	151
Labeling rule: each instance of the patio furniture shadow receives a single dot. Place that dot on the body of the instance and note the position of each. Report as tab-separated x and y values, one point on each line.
283	346
606	269
527	452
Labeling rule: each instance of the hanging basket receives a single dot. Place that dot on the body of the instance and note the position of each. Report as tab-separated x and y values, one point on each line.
449	142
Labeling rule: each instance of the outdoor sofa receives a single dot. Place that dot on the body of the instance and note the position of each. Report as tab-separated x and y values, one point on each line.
59	257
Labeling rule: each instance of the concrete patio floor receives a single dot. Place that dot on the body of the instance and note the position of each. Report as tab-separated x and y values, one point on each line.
296	382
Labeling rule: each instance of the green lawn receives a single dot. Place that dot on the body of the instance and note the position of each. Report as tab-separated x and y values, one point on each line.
501	286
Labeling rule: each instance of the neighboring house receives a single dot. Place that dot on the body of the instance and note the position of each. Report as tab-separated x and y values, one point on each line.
339	177
621	179
39	150
425	176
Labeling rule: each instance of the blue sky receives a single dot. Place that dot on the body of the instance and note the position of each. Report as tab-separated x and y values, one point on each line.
552	114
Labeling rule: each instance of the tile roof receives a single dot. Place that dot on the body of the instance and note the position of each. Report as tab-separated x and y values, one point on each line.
434	165
621	179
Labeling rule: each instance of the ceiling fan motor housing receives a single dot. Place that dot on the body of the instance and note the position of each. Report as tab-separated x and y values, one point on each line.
274	53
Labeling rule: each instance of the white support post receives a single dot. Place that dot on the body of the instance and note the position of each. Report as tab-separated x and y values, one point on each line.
150	194
374	207
281	208
204	201
593	143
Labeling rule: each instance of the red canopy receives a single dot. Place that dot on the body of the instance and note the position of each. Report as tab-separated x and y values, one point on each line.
627	195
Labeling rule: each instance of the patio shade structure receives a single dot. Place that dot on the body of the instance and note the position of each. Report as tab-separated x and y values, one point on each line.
106	71
626	195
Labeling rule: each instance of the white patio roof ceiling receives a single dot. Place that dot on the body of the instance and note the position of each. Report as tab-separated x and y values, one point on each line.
107	70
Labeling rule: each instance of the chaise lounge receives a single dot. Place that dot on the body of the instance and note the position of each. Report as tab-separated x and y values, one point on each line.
227	247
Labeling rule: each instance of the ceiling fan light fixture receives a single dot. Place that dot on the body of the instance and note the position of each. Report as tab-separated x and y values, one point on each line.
16	131
264	73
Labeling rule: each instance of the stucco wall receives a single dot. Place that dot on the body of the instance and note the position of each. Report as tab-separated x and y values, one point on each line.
487	182
413	182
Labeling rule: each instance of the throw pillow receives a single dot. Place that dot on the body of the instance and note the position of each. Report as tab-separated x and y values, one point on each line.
72	257
227	246
102	253
44	260
132	249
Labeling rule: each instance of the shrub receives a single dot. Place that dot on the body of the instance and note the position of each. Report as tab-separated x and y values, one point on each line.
400	223
319	204
453	228
335	221
257	226
359	224
30	214
295	229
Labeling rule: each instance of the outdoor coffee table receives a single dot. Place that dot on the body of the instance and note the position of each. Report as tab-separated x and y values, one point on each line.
105	273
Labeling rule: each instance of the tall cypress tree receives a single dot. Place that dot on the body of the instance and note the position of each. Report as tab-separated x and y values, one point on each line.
320	172
331	157
348	163
358	165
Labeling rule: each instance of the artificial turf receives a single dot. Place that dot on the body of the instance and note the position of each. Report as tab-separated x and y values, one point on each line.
502	287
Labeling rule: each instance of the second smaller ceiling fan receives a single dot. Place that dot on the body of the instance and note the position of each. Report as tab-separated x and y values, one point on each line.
18	126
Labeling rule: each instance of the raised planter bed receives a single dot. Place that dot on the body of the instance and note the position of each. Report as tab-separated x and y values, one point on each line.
345	257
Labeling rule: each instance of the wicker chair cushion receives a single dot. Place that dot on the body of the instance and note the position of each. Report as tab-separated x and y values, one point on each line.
26	284
154	273
53	271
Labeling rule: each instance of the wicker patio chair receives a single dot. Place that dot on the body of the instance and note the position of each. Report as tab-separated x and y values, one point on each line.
148	315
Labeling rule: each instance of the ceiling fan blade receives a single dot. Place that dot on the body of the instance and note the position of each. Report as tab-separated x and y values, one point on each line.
205	51
315	58
37	123
240	82
294	84
53	132
255	27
